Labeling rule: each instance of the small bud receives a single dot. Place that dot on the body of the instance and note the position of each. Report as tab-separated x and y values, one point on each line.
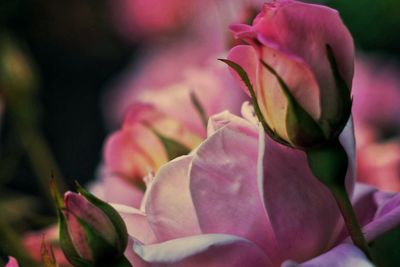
91	232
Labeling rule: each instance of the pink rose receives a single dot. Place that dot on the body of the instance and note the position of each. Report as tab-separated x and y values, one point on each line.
309	48
139	149
242	200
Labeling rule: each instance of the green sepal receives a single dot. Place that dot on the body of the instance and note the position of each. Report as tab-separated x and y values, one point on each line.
245	78
173	148
328	163
199	108
302	129
112	214
335	127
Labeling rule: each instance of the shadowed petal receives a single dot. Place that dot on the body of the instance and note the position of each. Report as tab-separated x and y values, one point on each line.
299	205
224	186
344	255
213	250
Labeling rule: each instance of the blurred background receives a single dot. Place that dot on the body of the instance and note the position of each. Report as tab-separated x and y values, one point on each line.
59	60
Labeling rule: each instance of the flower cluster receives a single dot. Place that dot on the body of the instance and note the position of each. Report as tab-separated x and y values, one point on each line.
201	174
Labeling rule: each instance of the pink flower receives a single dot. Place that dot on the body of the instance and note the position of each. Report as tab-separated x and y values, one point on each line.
33	243
376	112
152	18
311	50
156	20
139	147
12	262
164	101
230	203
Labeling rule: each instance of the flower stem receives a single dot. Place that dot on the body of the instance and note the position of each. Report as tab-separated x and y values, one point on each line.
329	163
350	219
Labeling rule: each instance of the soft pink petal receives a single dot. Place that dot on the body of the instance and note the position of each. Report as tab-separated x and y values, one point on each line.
169	206
112	188
212	250
136	223
344	255
224	186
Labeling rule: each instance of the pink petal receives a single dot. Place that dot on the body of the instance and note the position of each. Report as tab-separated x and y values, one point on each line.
112	188
169	206
12	262
136	223
344	255
246	57
296	74
294	198
386	218
224	186
212	250
131	159
304	30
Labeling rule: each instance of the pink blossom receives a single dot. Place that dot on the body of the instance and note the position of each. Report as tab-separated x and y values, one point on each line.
308	47
33	243
12	262
376	90
157	20
232	203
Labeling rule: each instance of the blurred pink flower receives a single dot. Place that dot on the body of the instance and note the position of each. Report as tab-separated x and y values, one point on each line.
33	243
300	56
230	203
376	112
12	262
138	149
154	20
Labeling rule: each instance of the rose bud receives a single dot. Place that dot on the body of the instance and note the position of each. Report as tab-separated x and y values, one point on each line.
298	68
91	232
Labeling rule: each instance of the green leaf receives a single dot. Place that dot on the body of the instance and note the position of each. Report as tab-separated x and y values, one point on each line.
112	215
245	78
303	130
345	100
173	148
199	108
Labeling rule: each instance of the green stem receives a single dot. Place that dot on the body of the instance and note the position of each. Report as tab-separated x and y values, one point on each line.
350	219
41	158
329	163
